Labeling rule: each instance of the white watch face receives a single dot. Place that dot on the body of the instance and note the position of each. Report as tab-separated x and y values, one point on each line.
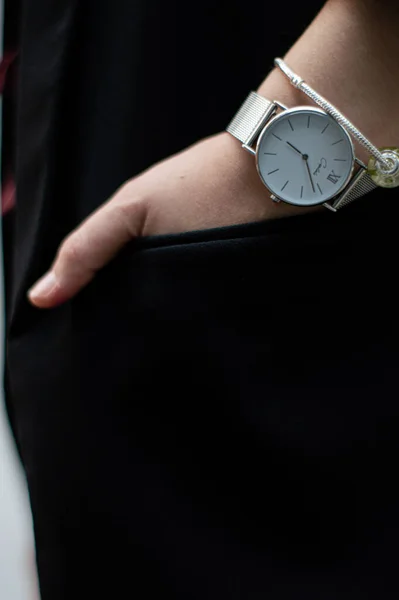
304	156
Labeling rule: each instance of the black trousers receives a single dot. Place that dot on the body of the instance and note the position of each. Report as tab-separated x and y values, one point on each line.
216	415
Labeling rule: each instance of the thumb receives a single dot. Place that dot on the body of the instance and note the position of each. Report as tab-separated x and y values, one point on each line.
89	248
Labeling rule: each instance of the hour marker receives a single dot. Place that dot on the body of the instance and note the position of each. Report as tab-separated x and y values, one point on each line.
328	124
308	124
341	159
333	177
271	153
290	124
284	184
270	172
337	142
276	136
301	191
320	190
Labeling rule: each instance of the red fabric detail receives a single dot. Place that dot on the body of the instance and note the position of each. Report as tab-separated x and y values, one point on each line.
8	185
5	64
8	194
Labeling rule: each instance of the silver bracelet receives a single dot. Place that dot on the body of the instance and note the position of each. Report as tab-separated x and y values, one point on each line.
383	166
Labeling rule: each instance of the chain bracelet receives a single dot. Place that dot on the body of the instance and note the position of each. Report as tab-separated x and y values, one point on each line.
387	165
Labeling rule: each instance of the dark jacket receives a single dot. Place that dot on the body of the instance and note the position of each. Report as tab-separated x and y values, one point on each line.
216	416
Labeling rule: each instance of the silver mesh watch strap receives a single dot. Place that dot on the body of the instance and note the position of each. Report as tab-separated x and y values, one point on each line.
248	123
251	118
360	184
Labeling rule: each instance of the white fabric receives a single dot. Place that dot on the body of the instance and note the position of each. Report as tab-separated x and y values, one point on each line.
17	579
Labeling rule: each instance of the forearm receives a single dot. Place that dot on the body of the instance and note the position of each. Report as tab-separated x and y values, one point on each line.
349	55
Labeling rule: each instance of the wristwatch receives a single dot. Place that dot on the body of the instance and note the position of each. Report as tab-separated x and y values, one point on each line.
305	155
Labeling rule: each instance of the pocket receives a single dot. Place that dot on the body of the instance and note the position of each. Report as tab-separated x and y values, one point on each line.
290	225
270	260
245	349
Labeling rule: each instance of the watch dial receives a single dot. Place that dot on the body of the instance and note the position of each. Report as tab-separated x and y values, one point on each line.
304	156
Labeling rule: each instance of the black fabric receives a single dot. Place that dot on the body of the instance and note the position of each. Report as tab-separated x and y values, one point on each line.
10	43
216	415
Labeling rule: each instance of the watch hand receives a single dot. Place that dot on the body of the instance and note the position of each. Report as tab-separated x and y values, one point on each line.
296	149
310	175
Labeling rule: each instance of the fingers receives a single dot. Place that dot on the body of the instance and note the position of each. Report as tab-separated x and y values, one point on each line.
90	247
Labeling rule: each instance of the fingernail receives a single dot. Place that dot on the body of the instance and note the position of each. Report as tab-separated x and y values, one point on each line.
43	287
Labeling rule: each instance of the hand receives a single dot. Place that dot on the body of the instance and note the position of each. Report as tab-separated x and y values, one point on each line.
305	157
212	184
215	183
296	149
308	168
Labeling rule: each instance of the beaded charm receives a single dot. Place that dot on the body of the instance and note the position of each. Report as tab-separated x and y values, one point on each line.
385	176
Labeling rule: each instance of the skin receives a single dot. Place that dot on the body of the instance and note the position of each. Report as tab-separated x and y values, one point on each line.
348	54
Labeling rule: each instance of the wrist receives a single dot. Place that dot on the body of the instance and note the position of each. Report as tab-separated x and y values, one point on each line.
342	57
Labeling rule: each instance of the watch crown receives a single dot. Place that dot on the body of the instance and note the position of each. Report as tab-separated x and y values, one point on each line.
275	199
